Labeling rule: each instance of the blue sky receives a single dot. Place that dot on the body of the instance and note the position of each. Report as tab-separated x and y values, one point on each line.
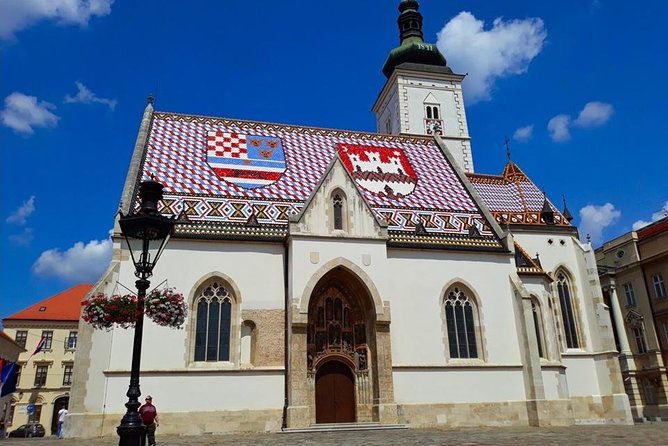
578	85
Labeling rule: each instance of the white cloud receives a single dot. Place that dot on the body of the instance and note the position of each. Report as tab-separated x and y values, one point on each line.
19	216
594	219
23	112
662	213
23	238
86	96
16	15
594	114
80	263
523	134
487	55
558	128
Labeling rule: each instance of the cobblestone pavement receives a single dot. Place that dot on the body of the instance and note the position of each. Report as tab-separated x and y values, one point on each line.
646	434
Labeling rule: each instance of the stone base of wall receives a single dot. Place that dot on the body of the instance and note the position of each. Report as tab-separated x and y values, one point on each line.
586	410
180	423
606	409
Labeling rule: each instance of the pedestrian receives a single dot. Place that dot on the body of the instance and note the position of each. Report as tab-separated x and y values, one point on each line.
149	416
61	420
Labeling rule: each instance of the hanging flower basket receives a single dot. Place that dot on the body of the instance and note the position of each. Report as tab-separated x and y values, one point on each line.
165	307
102	312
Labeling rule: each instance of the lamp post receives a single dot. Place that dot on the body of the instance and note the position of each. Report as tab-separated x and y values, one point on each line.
146	234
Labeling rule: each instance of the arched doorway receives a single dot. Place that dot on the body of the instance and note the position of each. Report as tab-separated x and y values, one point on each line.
58	404
334	393
337	351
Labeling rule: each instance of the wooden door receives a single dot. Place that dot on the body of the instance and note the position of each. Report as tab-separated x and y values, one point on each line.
334	394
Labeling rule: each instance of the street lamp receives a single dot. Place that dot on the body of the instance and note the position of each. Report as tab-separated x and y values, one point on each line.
146	234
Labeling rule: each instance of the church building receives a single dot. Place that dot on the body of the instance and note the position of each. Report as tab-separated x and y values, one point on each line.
337	276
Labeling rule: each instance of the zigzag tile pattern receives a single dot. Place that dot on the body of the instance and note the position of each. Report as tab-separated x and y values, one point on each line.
176	156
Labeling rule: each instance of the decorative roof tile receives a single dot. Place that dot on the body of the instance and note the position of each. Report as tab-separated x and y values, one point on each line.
513	198
220	172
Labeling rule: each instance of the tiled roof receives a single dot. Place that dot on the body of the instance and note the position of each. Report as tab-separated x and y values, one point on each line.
64	306
527	265
220	172
513	198
653	229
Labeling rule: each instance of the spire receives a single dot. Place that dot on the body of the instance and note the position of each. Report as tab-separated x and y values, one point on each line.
412	48
507	143
547	214
566	213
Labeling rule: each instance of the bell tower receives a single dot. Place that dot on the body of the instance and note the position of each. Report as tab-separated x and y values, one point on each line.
422	96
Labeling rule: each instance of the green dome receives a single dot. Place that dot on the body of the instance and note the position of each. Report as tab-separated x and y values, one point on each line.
412	49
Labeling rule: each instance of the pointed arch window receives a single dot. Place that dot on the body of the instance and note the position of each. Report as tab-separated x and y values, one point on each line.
339	212
538	326
460	323
567	311
213	307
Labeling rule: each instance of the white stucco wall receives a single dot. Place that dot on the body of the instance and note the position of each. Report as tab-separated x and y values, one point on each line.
457	385
417	282
582	374
202	391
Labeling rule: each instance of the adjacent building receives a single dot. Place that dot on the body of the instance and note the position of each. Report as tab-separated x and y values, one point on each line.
340	276
9	353
47	334
633	270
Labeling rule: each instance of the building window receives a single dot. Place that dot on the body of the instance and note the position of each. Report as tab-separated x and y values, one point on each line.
459	320
21	337
639	334
630	296
432	111
538	326
48	339
37	414
12	410
665	330
71	341
67	375
648	390
338	212
18	374
214	323
388	125
659	287
567	312
40	375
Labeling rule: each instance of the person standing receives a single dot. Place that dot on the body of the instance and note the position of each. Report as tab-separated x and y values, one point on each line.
149	416
61	420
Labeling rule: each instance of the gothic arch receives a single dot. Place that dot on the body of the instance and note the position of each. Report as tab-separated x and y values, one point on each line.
566	292
478	331
363	278
234	297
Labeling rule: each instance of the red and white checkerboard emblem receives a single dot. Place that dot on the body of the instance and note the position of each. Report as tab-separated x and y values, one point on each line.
226	145
249	161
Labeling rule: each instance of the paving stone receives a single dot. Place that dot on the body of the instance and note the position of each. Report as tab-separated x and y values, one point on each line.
654	434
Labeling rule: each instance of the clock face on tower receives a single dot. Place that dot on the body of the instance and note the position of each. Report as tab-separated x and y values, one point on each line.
434	126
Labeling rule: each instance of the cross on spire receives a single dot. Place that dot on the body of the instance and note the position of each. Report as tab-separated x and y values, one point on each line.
507	144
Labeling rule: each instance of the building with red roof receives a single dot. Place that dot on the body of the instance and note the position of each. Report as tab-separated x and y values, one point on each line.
633	269
339	276
45	376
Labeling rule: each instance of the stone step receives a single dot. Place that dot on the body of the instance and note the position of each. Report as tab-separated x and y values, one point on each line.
342	427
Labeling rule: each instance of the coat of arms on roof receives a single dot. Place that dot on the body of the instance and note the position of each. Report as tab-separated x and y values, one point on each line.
249	161
380	170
